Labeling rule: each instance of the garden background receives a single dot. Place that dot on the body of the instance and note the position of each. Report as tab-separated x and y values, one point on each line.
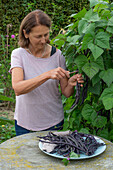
83	30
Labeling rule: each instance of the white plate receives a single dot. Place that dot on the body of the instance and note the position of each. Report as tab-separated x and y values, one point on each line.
100	150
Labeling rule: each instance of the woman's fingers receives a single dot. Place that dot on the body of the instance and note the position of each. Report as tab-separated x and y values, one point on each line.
80	78
76	78
58	73
67	73
63	73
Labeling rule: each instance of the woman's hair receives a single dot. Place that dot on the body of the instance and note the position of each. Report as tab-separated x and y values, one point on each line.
34	18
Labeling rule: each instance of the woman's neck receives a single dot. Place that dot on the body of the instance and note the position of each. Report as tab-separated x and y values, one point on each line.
40	53
37	52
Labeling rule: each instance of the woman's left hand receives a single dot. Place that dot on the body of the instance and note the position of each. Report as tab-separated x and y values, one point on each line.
76	78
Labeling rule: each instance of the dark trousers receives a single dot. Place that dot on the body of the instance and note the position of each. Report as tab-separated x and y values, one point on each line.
20	130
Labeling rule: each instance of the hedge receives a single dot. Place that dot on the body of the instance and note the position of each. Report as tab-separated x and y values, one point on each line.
13	12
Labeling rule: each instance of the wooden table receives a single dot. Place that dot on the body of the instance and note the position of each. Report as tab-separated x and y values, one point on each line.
23	153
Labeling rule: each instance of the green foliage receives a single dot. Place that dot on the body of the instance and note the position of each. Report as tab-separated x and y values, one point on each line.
58	10
4	98
88	47
107	97
4	121
7	129
72	154
65	161
7	43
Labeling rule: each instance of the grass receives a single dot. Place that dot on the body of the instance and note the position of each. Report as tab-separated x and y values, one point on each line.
7	129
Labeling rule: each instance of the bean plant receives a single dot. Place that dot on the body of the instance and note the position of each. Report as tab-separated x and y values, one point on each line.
87	44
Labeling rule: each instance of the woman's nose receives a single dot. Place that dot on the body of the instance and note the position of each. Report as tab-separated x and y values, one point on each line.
43	39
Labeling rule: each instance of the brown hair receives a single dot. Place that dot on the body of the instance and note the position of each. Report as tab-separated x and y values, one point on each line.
34	18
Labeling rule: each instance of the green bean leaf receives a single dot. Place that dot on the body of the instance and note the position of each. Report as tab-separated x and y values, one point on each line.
74	155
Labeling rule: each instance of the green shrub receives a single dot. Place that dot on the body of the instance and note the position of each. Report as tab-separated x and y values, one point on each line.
58	10
88	47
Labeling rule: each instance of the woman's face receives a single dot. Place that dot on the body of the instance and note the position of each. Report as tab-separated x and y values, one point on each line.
38	36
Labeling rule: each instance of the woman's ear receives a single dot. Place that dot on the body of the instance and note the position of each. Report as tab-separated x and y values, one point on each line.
25	34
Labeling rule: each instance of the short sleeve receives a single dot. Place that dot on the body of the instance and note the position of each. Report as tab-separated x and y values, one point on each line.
16	60
62	62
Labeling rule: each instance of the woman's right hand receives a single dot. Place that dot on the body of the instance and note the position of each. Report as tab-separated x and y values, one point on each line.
58	73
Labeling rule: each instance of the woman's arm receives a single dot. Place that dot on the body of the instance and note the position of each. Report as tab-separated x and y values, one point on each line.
22	86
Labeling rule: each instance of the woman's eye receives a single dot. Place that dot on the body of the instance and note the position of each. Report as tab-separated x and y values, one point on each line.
38	37
45	35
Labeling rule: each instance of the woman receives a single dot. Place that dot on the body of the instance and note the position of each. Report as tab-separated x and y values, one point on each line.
37	69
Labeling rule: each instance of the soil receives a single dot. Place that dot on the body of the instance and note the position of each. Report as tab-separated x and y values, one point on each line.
6	112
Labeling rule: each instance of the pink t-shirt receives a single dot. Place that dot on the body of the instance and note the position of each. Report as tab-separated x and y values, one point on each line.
42	107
